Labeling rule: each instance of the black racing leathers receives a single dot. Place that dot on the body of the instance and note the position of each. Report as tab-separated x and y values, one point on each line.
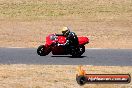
71	39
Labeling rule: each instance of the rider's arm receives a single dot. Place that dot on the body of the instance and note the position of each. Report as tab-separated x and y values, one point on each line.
71	35
68	39
66	43
72	38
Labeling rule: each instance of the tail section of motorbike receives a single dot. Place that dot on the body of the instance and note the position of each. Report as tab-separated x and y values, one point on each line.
51	46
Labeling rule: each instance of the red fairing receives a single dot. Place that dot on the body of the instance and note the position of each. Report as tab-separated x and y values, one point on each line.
49	41
62	40
83	40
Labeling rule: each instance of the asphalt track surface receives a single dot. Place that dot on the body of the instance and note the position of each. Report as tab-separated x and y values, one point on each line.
100	57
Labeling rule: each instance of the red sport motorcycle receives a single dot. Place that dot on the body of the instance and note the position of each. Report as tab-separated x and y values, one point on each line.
51	45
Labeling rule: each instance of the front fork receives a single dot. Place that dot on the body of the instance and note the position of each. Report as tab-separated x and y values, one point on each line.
47	49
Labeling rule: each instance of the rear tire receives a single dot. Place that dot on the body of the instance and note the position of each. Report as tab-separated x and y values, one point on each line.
78	51
81	49
41	50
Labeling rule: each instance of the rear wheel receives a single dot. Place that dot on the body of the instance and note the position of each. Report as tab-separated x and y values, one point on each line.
41	50
81	49
78	51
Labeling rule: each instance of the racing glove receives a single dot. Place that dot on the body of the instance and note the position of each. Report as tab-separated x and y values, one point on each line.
65	44
60	44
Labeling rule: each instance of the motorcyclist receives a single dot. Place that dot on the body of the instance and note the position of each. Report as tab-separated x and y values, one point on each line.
71	37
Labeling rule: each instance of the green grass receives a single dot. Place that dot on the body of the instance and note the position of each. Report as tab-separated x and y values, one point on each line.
84	8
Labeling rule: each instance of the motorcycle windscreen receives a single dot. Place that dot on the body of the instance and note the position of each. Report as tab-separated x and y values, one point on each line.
83	40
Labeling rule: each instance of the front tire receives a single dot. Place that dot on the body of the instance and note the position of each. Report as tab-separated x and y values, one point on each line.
41	50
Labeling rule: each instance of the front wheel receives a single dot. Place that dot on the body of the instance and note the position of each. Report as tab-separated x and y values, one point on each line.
42	50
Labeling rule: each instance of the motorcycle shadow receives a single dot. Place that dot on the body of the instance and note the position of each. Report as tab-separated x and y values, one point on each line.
69	56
